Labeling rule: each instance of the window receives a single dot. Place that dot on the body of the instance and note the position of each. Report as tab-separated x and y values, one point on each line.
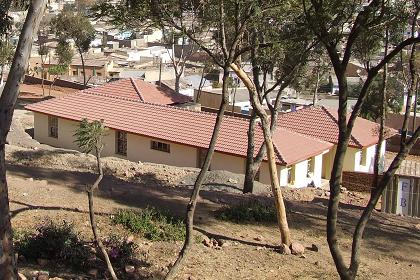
121	143
159	146
53	126
290	175
74	73
362	157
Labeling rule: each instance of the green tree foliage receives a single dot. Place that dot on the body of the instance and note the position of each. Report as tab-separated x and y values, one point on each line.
6	53
64	53
76	27
371	108
89	136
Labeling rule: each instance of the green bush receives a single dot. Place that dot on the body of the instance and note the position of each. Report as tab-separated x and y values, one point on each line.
153	224
54	241
248	212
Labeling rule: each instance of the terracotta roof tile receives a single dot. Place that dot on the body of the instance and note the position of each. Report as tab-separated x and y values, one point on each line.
177	125
321	123
138	89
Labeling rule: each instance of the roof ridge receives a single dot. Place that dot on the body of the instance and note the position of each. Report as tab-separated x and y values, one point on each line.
304	135
159	105
357	142
136	89
276	150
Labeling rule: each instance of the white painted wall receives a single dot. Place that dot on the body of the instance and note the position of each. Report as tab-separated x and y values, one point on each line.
300	173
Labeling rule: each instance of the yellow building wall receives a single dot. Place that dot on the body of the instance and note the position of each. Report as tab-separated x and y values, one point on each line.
228	162
265	174
66	130
139	149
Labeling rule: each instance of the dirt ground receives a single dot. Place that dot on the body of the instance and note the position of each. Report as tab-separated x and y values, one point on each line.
49	183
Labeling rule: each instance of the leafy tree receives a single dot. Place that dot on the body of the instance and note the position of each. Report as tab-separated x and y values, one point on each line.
8	99
89	137
6	56
78	28
64	54
281	50
327	20
371	108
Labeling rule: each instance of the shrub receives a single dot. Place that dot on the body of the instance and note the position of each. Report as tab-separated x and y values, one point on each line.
54	241
120	251
248	212
153	224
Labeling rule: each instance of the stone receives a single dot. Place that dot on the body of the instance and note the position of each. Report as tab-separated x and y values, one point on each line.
224	243
33	274
233	181
259	238
417	227
43	275
259	248
297	249
21	276
129	269
130	239
285	250
42	262
314	248
207	242
302	257
93	272
25	194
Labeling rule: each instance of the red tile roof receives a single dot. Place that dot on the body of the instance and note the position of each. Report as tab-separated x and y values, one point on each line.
322	123
138	89
177	125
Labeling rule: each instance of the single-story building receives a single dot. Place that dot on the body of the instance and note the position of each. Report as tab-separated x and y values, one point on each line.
322	123
143	131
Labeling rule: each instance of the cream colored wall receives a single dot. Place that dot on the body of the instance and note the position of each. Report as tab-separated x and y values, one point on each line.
265	174
138	149
317	170
283	176
370	155
300	174
327	163
227	162
66	130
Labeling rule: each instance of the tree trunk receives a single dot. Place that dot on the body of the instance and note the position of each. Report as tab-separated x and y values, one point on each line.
377	158
200	87
42	75
315	97
83	67
249	165
275	185
380	186
51	86
92	216
189	222
1	75
8	100
177	81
